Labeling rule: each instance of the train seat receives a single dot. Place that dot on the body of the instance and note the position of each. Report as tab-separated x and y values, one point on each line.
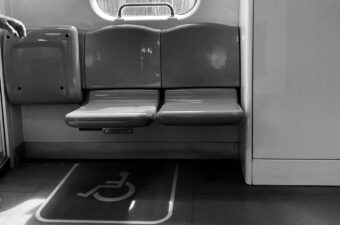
122	76
116	109
44	67
201	75
200	106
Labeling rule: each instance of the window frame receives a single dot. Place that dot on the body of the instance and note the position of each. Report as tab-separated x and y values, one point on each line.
98	11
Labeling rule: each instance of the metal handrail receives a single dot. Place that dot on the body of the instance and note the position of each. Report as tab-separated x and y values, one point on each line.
172	11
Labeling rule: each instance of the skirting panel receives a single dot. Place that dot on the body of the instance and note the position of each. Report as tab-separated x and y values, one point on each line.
128	150
296	172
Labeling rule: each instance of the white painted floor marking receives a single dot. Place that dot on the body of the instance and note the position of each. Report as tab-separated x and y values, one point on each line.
114	185
108	222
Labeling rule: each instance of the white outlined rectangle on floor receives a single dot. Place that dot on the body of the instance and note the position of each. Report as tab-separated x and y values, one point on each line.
113	184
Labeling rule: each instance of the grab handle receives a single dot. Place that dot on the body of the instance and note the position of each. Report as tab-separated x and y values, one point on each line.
146	4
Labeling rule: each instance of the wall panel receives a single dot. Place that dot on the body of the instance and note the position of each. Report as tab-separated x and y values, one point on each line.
296	79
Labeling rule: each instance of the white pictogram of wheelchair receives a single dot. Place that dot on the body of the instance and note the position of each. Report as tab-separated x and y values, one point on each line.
111	184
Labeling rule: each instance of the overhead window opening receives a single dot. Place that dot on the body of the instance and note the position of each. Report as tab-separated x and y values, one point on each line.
143	9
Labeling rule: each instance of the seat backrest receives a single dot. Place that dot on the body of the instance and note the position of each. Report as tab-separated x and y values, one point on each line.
200	55
125	56
44	67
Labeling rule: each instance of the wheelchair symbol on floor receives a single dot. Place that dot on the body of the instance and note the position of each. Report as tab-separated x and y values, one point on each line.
113	185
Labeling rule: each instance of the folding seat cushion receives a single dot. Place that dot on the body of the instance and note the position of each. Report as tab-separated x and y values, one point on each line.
116	109
200	107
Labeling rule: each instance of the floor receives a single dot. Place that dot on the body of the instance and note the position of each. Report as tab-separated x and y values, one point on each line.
208	193
1	156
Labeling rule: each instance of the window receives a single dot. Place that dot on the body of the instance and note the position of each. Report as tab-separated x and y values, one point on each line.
109	9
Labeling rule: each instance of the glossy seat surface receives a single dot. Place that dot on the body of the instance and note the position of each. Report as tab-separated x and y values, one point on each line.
124	56
200	107
116	108
43	67
200	55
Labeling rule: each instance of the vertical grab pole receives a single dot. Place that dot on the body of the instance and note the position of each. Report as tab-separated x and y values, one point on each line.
246	23
4	109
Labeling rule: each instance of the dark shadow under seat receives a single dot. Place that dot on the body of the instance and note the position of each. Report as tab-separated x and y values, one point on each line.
200	107
115	109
